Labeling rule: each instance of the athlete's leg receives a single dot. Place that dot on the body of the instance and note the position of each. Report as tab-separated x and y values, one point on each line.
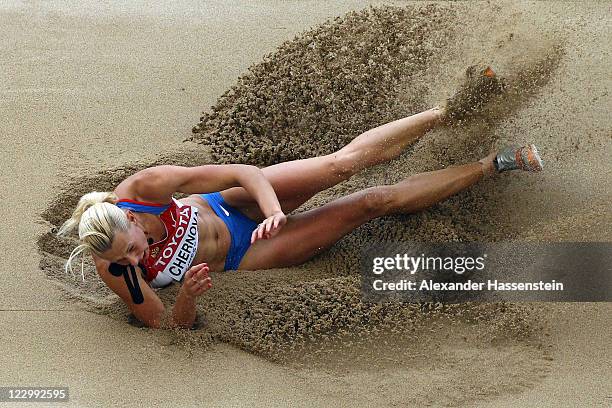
296	181
311	232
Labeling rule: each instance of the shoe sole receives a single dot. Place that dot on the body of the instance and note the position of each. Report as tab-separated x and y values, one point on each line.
488	72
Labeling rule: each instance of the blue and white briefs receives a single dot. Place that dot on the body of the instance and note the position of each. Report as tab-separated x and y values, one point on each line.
239	225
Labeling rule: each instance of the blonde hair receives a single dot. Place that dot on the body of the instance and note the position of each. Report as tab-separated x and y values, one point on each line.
97	219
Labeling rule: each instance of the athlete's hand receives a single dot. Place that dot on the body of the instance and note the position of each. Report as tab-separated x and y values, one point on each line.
269	227
196	280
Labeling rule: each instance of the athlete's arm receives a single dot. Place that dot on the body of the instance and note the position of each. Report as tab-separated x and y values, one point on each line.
130	286
158	184
136	294
195	282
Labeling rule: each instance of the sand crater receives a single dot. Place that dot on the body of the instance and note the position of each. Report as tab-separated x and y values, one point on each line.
310	97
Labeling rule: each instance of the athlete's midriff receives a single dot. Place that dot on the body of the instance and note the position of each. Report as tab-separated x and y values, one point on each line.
214	238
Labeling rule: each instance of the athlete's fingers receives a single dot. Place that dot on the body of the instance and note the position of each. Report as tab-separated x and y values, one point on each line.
201	269
195	276
196	280
276	228
201	276
195	269
262	231
190	274
201	286
269	224
205	285
254	236
268	232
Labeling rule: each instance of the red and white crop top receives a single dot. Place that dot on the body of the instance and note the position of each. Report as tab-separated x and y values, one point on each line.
170	258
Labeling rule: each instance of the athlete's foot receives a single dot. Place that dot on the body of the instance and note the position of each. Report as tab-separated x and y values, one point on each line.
526	158
480	85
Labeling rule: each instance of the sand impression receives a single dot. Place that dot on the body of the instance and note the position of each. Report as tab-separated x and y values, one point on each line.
312	96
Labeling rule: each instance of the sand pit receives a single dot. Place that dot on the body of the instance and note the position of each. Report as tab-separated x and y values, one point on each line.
312	96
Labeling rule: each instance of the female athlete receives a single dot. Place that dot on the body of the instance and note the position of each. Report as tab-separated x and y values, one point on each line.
141	238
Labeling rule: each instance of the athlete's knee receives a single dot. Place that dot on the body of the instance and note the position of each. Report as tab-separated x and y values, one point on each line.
343	163
376	201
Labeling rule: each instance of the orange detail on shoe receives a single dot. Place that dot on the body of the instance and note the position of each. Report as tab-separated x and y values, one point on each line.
519	158
531	159
488	72
535	162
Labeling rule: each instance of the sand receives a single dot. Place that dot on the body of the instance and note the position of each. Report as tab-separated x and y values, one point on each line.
120	89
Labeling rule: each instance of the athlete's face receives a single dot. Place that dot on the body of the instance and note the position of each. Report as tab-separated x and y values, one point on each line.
129	247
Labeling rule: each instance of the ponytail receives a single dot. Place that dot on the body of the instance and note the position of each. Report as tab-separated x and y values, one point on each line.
84	204
97	219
